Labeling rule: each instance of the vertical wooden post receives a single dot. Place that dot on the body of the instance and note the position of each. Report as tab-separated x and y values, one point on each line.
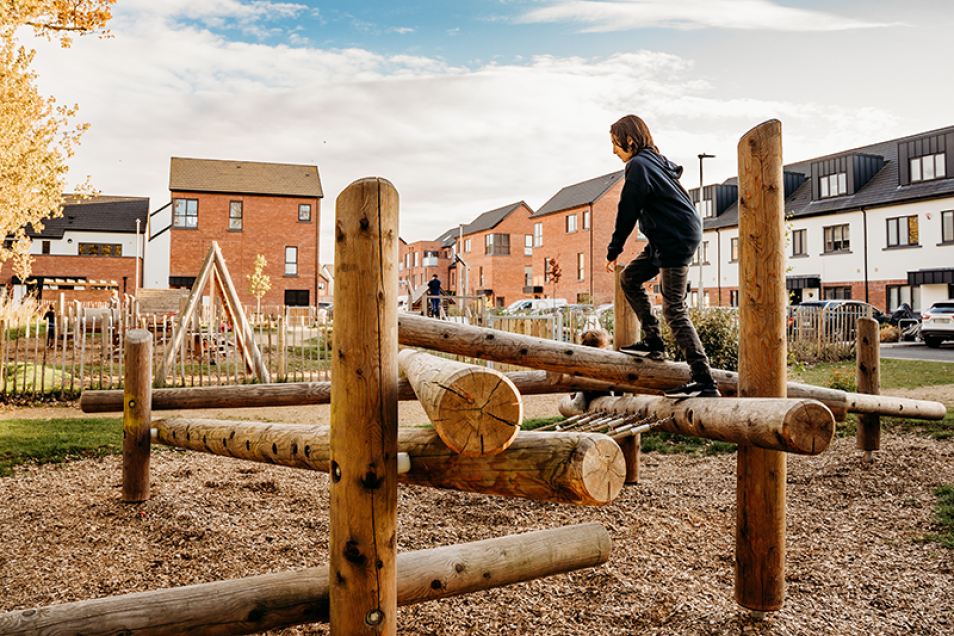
364	373
868	343
760	529
625	332
137	415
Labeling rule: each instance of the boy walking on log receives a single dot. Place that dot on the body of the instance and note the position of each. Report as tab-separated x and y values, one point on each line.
653	197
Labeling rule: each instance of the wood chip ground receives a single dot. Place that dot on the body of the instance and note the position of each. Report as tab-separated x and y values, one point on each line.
855	564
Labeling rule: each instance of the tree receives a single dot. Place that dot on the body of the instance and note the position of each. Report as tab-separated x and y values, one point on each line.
259	283
555	273
36	138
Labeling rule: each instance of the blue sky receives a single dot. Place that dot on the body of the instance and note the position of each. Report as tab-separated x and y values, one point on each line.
471	105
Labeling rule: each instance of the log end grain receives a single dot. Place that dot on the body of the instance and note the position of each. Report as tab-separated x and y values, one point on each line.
810	427
602	469
481	412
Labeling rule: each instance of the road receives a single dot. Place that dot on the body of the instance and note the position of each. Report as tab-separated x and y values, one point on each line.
918	351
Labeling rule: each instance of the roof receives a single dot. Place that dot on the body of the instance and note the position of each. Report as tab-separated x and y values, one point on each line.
882	190
244	177
491	219
580	194
96	214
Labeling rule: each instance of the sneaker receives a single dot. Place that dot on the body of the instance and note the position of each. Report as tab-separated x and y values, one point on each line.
654	349
695	389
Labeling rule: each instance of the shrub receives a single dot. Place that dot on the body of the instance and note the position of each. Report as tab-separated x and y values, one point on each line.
718	329
889	334
843	380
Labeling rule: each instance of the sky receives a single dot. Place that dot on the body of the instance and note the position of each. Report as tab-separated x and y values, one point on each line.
470	105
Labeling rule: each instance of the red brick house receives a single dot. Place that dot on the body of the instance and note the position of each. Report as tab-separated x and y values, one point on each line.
419	261
574	228
496	247
90	251
249	208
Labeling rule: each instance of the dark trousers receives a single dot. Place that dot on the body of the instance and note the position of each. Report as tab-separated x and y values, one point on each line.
672	284
436	307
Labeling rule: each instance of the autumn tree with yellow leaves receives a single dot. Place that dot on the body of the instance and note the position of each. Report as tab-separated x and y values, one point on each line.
36	135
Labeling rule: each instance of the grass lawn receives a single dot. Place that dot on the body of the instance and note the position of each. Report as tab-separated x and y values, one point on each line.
56	440
895	374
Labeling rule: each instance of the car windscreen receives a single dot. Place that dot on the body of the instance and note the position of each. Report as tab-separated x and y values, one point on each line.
941	309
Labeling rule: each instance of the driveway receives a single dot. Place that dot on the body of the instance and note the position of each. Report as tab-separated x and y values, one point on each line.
917	351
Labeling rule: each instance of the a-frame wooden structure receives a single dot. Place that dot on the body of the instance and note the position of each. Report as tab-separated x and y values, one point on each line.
213	267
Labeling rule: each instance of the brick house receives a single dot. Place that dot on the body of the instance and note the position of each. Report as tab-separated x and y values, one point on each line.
574	228
496	249
249	208
95	239
419	261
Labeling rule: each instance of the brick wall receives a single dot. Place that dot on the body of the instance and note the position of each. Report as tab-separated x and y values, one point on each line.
502	273
89	267
269	224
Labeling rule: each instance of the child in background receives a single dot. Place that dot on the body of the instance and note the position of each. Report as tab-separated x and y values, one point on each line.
601	340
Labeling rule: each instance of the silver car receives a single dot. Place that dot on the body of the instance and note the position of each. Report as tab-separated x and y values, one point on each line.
937	324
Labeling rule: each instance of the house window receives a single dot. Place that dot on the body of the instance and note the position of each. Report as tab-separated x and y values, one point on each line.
100	249
291	261
417	259
947	226
538	234
903	230
466	246
733	297
46	247
798	242
296	297
702	253
580	267
928	167
304	212
235	215
185	213
898	294
528	245
497	244
734	250
704	208
842	292
480	276
546	270
586	220
528	275
836	239
570	223
833	185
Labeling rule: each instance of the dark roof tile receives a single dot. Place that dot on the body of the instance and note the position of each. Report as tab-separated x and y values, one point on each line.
580	194
243	177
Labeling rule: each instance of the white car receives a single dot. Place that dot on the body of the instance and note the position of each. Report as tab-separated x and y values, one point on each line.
937	324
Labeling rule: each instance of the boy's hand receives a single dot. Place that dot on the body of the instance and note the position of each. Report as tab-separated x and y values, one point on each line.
611	267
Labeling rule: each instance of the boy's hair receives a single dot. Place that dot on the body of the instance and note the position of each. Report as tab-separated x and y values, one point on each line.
632	126
595	338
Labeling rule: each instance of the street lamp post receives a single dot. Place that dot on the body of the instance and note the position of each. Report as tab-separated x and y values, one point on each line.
702	157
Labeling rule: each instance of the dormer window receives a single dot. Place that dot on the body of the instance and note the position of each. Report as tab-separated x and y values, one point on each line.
833	185
704	208
928	167
926	159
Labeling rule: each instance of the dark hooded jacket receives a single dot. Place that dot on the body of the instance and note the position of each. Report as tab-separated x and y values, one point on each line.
653	197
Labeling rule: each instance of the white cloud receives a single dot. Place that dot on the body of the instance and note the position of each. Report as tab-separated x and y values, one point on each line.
624	15
456	142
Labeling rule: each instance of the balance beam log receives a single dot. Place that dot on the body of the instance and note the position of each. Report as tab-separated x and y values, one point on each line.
307	393
572	468
476	411
803	427
622	369
285	599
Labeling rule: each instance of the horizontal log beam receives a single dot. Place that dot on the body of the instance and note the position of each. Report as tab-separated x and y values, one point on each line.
476	411
275	601
307	393
803	427
573	468
619	368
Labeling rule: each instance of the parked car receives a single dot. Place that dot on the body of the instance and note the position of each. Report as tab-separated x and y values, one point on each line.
535	304
937	324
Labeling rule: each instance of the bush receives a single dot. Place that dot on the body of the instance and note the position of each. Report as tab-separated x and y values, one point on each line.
889	334
843	380
718	329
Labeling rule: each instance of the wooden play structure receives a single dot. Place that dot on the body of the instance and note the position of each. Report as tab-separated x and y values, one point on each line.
476	445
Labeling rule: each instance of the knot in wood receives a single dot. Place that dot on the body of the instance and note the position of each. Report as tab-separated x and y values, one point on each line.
353	554
371	481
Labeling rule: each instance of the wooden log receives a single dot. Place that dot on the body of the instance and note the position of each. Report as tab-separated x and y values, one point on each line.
625	332
868	433
275	601
364	372
803	427
195	295
137	415
642	374
760	494
243	332
476	411
571	468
